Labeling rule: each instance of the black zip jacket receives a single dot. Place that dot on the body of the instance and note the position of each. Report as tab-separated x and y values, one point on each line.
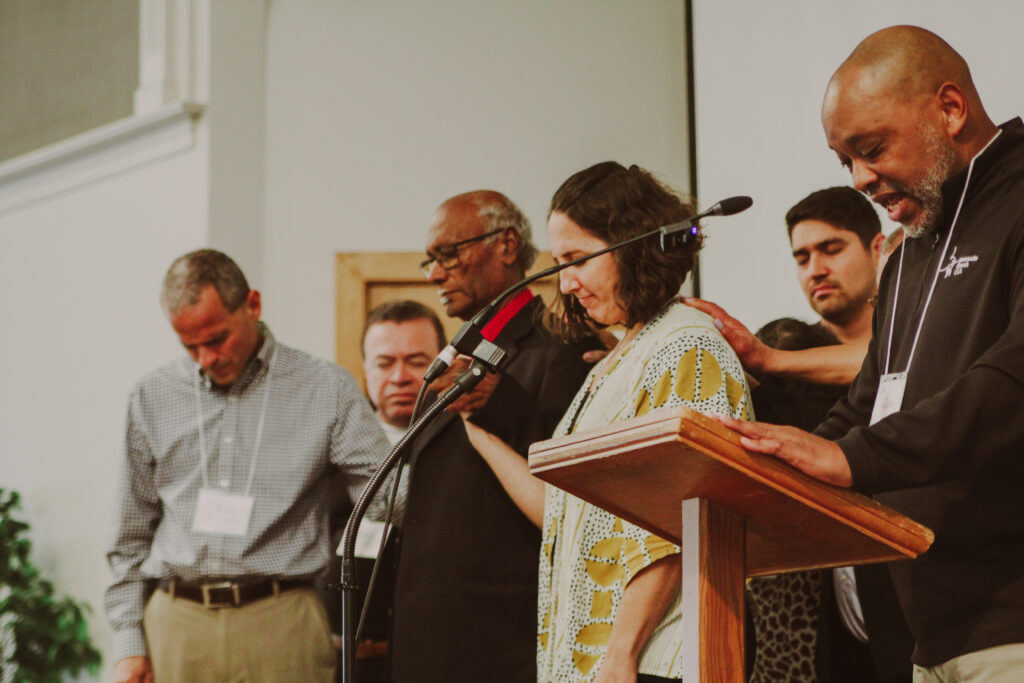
953	457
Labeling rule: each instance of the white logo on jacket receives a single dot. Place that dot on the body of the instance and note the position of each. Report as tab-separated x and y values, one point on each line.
957	265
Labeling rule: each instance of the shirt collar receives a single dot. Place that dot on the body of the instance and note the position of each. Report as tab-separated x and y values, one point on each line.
987	159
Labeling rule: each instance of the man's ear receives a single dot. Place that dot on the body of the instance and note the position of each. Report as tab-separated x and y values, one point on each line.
510	243
876	246
954	108
252	304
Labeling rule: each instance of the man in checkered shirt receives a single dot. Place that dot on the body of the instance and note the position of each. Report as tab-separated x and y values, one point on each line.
221	518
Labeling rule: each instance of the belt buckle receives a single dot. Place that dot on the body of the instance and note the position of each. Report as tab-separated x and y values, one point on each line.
210	604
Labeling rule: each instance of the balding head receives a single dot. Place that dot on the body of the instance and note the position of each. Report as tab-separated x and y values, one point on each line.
484	240
496	211
906	62
903	115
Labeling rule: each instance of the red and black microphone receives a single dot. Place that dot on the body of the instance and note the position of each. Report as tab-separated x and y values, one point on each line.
478	342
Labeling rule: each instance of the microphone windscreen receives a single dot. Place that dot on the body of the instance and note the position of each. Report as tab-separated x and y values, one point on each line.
734	205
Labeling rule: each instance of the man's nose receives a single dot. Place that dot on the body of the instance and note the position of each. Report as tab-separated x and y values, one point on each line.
818	266
400	374
205	357
436	273
862	176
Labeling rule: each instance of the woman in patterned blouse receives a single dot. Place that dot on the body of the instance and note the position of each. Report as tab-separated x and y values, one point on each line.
608	603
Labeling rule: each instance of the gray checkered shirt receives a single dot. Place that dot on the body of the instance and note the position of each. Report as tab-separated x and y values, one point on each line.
316	415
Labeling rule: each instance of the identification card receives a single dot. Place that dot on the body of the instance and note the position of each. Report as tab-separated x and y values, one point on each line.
368	539
889	398
222	513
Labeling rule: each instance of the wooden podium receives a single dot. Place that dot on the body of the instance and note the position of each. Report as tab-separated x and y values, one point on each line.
743	514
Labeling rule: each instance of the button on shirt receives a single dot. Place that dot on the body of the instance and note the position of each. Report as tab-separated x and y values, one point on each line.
315	415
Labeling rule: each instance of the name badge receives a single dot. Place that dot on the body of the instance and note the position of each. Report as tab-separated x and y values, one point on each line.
367	539
218	512
889	398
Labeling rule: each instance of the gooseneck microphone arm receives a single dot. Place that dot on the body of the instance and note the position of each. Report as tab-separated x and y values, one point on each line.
469	340
726	207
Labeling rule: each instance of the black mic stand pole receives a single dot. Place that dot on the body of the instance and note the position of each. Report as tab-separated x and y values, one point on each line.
463	384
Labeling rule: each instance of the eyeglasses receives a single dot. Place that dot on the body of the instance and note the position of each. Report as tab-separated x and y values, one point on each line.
448	256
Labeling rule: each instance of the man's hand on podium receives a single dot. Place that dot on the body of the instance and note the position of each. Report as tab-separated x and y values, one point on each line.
812	455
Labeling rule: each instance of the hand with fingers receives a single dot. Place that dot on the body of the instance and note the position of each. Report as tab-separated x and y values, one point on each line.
755	355
812	455
133	670
475	399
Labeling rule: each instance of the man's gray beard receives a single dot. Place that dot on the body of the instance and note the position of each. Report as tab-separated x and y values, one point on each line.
929	190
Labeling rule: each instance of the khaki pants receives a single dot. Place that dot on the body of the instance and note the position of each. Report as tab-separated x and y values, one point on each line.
278	639
1003	664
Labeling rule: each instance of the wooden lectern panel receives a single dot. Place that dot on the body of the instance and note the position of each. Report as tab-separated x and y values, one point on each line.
642	469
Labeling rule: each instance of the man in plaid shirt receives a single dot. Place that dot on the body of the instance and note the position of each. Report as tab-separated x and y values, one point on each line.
221	517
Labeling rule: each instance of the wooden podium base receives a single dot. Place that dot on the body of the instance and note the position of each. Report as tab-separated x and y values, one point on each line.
712	597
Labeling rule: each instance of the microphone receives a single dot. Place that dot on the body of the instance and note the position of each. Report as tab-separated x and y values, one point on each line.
471	340
682	233
729	206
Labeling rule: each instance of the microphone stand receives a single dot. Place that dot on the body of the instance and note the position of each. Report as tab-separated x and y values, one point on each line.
469	340
348	585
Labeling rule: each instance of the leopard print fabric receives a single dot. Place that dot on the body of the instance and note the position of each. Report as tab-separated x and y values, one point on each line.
785	611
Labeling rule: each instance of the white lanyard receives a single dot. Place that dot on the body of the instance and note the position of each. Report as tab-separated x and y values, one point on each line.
938	269
259	431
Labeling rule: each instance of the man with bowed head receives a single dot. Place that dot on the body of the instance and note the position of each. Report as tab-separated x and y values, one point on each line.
222	508
466	588
934	423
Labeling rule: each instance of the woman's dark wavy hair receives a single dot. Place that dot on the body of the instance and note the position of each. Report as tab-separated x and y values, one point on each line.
614	203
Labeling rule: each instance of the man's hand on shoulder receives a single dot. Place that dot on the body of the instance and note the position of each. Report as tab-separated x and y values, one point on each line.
475	399
753	353
812	455
133	670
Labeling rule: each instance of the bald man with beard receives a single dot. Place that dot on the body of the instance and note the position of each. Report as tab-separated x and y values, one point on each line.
934	423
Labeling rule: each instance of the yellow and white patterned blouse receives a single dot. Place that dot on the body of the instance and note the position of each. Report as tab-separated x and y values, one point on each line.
589	555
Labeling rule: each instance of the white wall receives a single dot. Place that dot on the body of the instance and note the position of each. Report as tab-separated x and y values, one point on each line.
79	286
379	110
761	71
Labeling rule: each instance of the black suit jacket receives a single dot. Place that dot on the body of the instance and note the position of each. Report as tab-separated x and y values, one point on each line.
465	605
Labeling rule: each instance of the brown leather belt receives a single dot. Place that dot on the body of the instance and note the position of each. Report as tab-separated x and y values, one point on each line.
227	593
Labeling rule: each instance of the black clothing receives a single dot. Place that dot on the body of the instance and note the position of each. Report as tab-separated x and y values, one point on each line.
951	458
465	604
838	656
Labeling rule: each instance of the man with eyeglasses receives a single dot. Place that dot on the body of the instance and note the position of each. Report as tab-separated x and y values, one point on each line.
466	589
